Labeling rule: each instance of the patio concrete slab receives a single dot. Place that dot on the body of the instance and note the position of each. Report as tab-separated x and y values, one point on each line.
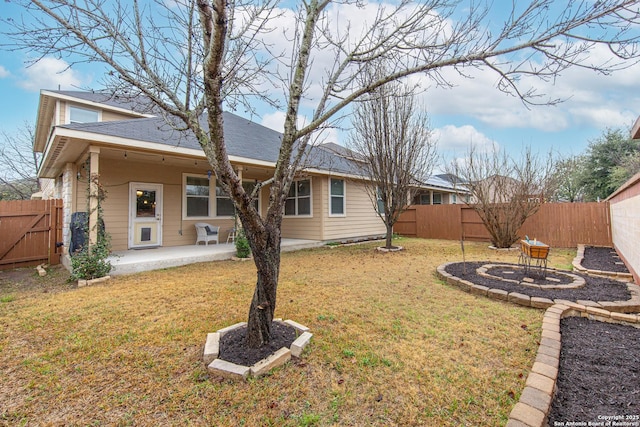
139	260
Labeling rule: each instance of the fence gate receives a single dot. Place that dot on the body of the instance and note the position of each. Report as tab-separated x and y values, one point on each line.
29	232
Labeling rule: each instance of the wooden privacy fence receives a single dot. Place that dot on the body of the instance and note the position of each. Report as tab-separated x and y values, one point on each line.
562	225
29	232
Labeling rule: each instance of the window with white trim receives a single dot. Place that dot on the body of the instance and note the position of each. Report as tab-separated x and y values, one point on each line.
337	199
437	198
196	190
83	115
454	199
298	201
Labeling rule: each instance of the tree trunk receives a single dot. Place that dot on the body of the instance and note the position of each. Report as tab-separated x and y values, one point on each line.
266	256
389	239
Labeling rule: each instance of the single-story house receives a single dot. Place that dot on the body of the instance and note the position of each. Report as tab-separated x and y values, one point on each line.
442	189
159	183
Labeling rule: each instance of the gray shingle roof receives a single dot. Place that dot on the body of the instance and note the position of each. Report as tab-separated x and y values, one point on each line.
139	103
243	137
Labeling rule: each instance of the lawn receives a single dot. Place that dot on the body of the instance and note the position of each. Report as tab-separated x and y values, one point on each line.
392	345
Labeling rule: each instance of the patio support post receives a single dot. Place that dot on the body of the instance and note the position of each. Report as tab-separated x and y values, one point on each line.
238	224
94	157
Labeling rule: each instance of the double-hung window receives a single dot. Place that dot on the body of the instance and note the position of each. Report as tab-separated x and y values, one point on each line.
224	205
337	197
202	202
197	196
298	201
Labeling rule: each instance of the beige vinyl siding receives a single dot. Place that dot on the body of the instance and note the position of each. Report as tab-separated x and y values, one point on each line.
109	116
307	227
360	220
115	176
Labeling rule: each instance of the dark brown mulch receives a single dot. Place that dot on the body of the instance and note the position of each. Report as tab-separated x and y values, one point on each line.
234	350
595	289
603	259
599	373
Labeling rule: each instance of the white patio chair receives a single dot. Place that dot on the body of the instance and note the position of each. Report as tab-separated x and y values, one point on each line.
206	233
231	237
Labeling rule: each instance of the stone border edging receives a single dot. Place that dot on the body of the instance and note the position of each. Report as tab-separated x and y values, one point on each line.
532	410
534	404
577	265
629	306
89	282
578	282
225	369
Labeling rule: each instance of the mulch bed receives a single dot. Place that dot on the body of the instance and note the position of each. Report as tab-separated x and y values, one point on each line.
595	289
233	348
604	259
599	373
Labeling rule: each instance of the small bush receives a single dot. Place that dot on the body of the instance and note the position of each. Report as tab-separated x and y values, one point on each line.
243	250
91	263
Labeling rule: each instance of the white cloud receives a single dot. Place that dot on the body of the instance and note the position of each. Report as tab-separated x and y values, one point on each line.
460	138
51	73
590	99
4	72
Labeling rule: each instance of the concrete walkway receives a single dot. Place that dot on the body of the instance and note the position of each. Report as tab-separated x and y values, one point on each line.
136	261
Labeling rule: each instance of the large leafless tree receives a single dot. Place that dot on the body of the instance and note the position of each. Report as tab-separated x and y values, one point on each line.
504	190
192	58
392	142
18	164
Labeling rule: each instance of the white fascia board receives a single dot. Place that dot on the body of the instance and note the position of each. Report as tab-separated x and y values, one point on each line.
335	174
124	143
93	104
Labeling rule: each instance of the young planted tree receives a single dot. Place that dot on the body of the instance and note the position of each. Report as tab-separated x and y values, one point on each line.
504	191
18	164
394	149
193	58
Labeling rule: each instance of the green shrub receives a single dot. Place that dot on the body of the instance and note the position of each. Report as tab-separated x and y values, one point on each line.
91	263
243	250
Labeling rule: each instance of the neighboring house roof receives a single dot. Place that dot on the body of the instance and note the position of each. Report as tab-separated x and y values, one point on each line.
635	131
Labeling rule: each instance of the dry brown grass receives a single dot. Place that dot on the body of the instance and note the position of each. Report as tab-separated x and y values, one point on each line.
392	345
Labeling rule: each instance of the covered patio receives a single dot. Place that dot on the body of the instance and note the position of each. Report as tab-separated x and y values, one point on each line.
138	260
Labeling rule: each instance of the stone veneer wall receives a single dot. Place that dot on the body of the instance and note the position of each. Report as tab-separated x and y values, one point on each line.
625	224
66	194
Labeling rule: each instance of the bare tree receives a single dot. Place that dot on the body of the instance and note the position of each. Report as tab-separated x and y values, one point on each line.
504	191
392	141
18	164
192	58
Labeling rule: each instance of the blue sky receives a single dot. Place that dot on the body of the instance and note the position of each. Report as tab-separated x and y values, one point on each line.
473	111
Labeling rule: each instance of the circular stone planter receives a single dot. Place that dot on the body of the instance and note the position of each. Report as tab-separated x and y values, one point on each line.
573	281
222	368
